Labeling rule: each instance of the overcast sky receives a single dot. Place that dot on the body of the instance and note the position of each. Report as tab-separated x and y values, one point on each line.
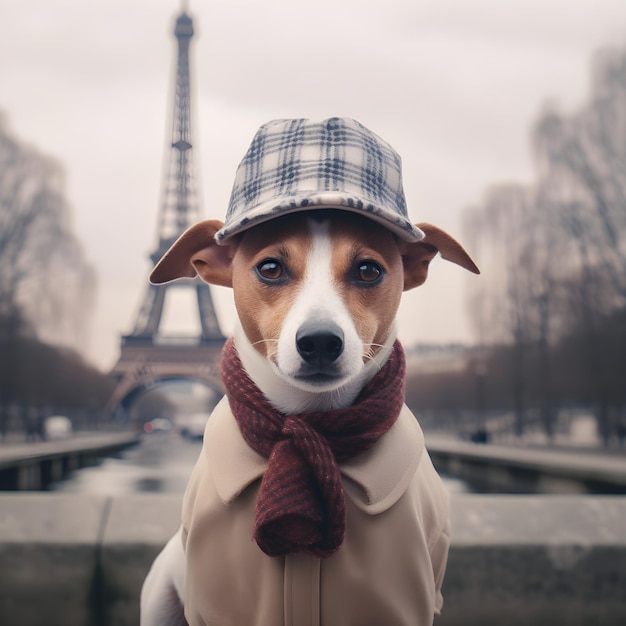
453	85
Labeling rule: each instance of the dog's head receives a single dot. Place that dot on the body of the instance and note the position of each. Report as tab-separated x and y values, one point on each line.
316	292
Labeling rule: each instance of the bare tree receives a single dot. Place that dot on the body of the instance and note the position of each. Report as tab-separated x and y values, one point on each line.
42	266
502	225
582	164
582	160
559	251
43	271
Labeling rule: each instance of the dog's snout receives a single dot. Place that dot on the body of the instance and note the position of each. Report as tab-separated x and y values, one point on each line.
319	343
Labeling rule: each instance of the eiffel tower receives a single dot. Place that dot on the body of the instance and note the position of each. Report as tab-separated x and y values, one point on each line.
147	356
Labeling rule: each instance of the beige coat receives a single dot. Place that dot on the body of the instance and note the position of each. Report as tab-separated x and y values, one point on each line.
388	571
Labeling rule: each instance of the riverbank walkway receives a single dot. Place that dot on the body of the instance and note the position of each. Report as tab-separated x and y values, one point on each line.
530	469
35	465
488	468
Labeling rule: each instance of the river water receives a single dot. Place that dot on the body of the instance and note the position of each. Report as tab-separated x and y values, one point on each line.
162	462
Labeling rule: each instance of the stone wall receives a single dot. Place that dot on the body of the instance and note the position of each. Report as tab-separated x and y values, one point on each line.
71	560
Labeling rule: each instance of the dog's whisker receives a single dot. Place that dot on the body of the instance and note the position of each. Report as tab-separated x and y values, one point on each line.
256	343
369	347
369	353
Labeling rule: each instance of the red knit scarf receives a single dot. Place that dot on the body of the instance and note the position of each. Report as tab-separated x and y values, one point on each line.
301	505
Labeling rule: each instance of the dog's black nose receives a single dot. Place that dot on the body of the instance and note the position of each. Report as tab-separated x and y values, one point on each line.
319	343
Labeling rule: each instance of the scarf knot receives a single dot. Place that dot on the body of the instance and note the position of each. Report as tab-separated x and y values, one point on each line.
304	437
301	504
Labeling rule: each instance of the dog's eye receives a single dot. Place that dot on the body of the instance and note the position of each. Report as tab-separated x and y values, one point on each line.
369	272
270	269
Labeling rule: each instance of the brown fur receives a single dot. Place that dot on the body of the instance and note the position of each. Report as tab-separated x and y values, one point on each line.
262	307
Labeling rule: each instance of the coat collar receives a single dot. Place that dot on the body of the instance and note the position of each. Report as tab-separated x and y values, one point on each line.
377	478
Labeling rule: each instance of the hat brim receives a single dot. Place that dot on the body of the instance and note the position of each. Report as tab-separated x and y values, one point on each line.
277	207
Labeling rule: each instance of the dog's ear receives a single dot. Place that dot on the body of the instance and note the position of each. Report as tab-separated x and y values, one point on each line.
417	256
195	252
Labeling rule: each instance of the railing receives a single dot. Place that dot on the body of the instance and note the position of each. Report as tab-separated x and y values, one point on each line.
520	469
72	560
34	466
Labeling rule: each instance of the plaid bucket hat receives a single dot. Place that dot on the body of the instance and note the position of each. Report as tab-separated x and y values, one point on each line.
299	165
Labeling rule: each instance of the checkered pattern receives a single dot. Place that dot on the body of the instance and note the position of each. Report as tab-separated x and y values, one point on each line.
297	165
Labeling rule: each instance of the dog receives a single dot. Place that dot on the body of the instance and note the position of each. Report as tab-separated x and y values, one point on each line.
314	500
